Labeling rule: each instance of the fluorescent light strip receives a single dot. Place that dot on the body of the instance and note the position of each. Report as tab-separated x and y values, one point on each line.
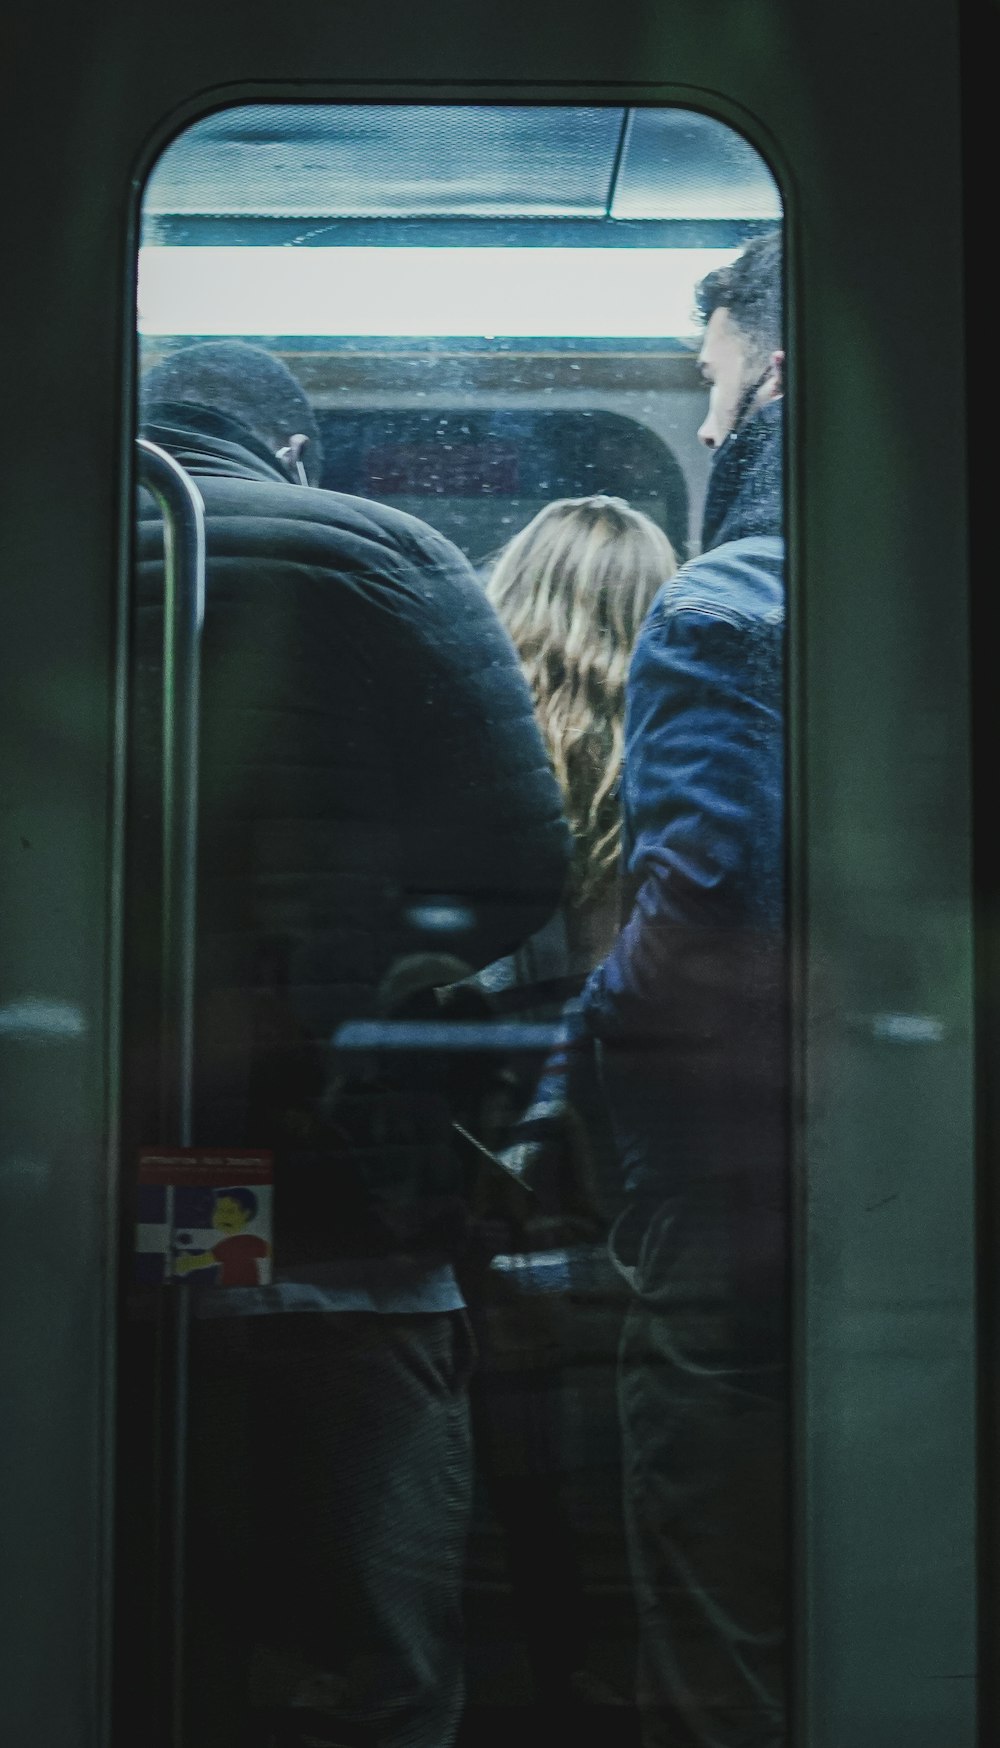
566	293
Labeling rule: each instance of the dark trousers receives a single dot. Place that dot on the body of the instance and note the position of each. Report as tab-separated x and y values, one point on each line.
329	1495
703	1444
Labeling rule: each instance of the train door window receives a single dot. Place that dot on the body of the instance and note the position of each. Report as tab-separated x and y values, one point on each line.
454	1344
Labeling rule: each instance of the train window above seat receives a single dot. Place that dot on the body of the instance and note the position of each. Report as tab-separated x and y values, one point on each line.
480	475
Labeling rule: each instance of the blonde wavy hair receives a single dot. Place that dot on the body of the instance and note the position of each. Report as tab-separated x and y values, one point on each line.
573	589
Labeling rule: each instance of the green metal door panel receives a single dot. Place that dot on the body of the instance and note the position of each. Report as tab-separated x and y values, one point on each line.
858	108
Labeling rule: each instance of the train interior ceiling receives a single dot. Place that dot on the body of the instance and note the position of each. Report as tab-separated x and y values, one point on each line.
490	307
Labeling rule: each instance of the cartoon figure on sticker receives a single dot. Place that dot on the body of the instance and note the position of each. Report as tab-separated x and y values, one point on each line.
243	1258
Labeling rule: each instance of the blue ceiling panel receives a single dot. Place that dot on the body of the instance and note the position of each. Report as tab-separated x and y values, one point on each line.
677	164
319	160
281	163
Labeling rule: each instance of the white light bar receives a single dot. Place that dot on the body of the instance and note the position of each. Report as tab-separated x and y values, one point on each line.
566	293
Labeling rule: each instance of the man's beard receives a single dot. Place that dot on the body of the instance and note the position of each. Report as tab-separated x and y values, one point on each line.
744	486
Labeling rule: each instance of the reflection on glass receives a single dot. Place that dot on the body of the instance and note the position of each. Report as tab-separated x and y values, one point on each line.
455	1354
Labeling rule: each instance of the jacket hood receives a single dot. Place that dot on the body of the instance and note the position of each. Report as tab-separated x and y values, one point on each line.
745	489
206	441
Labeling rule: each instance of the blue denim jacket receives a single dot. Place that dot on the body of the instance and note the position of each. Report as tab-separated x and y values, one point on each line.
703	779
689	1004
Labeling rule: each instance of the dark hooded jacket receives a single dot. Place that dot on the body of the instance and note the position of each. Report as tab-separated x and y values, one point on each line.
372	786
689	1006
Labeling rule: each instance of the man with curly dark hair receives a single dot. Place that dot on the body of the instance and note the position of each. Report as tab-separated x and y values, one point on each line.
741	355
689	1011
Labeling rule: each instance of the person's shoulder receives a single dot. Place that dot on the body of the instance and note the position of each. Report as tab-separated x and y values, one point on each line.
315	506
344	510
332	531
741	583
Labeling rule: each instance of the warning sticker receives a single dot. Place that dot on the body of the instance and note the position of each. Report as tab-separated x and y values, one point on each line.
204	1215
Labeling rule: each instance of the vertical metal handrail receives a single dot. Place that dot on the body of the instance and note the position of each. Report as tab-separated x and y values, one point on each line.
183	620
183	513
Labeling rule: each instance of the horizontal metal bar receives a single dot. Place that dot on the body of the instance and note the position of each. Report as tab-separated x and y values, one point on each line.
458	1035
174	230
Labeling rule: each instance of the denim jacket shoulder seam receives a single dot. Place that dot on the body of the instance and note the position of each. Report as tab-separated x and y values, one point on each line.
707	609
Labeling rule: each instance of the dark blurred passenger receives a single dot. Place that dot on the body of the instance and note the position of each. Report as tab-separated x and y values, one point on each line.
376	814
572	589
689	1007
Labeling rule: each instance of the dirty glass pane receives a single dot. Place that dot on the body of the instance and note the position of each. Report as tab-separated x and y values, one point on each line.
454	1335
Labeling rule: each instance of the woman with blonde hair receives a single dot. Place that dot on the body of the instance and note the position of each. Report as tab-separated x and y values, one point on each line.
572	589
